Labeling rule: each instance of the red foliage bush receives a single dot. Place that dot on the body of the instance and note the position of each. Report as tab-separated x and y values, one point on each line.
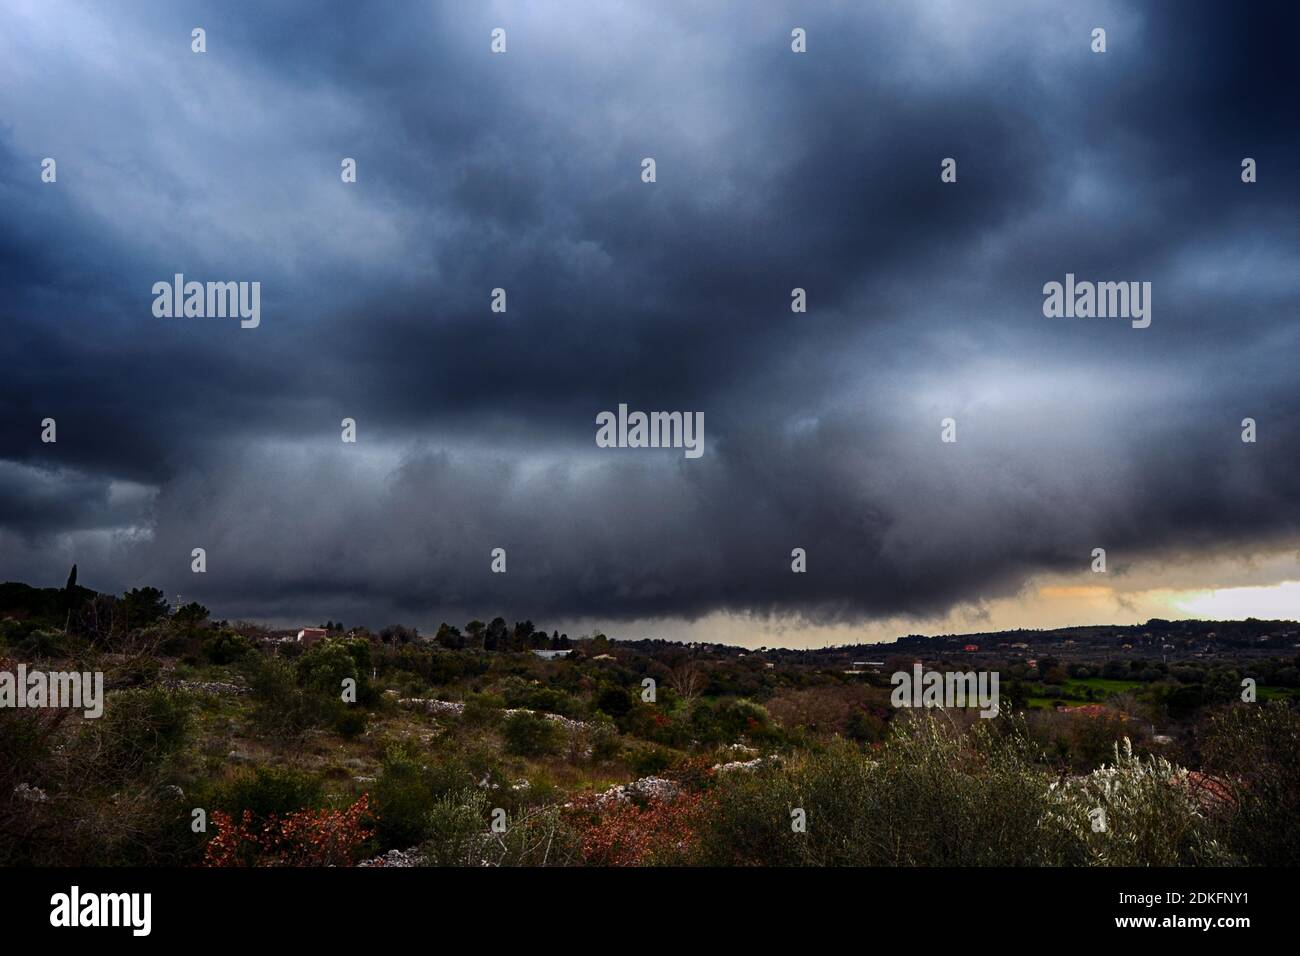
301	838
624	833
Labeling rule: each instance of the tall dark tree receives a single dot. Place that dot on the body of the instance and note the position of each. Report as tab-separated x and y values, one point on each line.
497	636
522	638
69	591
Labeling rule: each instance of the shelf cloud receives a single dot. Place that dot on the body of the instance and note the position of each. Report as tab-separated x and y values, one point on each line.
476	427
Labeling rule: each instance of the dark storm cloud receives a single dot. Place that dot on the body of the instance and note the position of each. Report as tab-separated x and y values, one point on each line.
522	171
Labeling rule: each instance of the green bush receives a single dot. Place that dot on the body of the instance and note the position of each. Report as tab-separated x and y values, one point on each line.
604	741
482	709
403	794
350	721
140	732
727	720
226	647
268	790
41	644
325	666
1254	752
281	708
527	735
549	700
290	698
649	761
1092	738
461	834
936	796
933	797
456	830
865	727
614	701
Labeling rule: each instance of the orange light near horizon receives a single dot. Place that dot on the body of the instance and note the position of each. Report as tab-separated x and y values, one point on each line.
1076	592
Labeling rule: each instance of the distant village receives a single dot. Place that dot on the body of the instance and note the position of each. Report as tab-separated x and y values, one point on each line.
1167	641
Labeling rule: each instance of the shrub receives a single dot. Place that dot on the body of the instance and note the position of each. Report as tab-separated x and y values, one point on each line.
25	741
614	701
829	709
624	833
482	709
865	726
141	670
649	761
226	647
1256	752
280	707
140	731
350	721
461	834
302	838
325	666
931	796
28	758
267	791
291	698
410	783
527	735
748	823
403	794
1092	737
1134	813
604	741
729	719
140	825
456	831
41	643
140	607
550	700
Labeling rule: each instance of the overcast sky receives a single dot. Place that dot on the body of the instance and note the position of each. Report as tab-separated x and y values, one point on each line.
775	170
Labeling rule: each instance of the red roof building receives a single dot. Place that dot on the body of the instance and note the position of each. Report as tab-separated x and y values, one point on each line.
310	635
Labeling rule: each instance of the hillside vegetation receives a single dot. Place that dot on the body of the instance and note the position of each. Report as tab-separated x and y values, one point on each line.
223	745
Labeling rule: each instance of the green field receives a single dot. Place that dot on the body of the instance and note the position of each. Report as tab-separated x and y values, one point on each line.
1075	691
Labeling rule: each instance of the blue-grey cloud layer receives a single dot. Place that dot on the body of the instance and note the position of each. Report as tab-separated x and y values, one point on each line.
522	171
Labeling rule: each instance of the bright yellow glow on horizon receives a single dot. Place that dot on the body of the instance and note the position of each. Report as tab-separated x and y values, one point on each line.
1274	601
1262	587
